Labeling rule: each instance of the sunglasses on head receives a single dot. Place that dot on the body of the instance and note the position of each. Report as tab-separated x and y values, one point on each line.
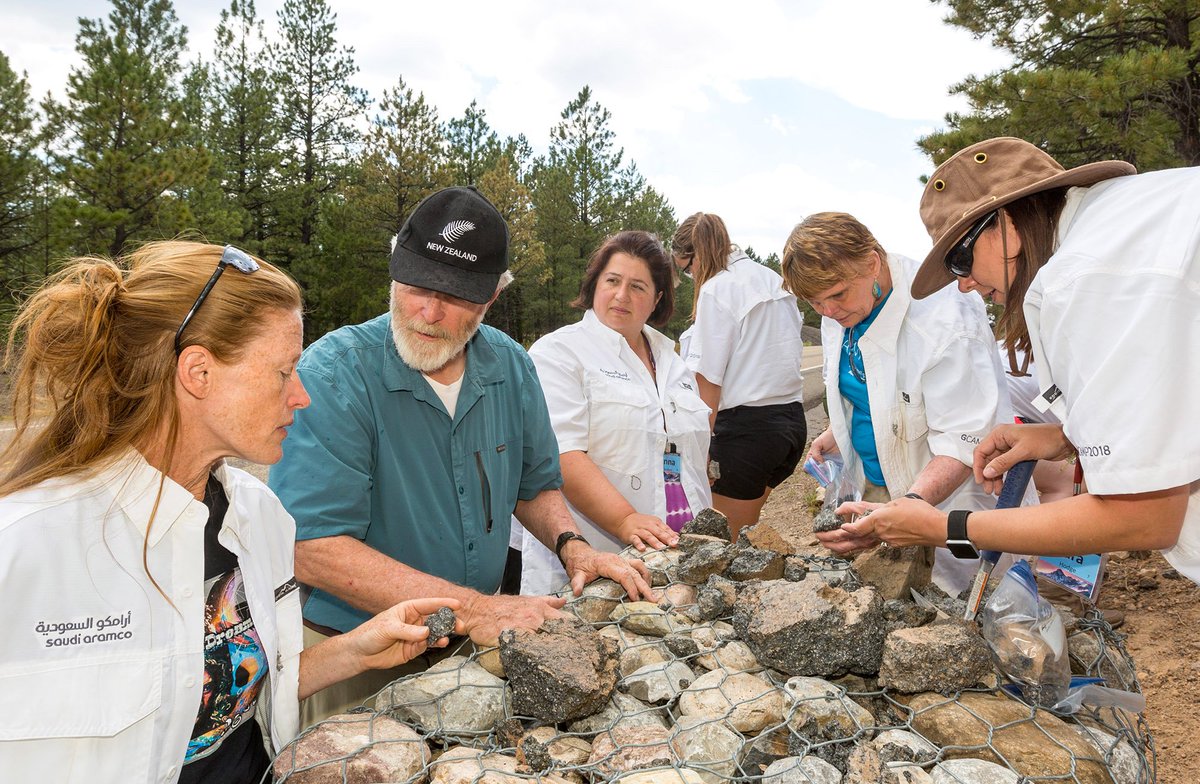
232	257
960	257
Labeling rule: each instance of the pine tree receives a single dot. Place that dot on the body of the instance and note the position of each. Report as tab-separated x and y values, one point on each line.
319	111
123	152
1090	80
501	184
582	193
18	167
245	126
405	157
474	146
215	218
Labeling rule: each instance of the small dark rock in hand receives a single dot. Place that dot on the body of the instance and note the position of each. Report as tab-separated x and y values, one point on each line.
826	520
441	624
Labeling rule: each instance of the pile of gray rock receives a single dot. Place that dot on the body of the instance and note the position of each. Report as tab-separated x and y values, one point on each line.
754	666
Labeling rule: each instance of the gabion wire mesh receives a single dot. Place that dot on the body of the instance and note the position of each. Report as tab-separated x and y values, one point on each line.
724	717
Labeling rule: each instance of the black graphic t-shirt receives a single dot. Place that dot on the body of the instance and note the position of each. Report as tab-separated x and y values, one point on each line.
226	744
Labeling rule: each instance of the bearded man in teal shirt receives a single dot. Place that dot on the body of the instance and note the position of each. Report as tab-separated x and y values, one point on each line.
426	432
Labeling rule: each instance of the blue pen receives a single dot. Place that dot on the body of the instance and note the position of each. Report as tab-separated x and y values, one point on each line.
1011	493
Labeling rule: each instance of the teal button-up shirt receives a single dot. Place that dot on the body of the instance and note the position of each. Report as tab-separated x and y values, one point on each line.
376	457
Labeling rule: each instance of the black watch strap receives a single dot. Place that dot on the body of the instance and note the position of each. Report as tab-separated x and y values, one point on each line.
561	542
957	541
914	495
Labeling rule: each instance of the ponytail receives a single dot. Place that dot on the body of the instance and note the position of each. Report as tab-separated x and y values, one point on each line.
703	237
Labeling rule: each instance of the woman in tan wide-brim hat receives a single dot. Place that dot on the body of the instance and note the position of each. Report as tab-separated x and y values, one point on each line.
1099	271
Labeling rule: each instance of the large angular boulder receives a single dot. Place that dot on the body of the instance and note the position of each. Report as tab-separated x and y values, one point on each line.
709	522
811	627
943	657
895	571
560	672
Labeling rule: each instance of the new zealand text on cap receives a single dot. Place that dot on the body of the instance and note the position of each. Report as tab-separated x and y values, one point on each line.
455	242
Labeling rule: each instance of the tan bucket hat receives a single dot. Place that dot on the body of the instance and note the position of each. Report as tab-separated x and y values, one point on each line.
983	177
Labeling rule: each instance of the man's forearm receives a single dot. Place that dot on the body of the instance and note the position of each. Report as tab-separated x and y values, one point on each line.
365	578
546	516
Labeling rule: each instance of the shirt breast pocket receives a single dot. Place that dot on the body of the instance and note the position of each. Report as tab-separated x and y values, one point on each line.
93	715
912	424
497	466
618	427
689	414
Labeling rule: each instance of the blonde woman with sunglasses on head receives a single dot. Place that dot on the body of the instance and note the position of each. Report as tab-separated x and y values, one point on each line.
152	610
1099	272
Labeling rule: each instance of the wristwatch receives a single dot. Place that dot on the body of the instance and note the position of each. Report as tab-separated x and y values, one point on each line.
561	542
957	542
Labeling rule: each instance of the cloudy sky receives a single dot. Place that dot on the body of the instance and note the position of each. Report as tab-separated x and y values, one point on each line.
759	111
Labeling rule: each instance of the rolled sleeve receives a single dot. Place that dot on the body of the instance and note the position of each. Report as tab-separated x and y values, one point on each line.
716	333
324	479
1130	375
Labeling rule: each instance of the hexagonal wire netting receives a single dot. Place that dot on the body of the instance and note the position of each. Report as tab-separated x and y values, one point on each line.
455	723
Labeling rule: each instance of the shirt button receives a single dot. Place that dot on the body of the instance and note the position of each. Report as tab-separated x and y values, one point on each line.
470	545
171	771
187	593
460	490
189	681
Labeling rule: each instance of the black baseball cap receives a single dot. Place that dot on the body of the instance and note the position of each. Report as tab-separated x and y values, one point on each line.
455	242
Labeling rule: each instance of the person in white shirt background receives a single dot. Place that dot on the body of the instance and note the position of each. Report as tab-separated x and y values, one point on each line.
152	609
631	428
1099	272
746	351
911	385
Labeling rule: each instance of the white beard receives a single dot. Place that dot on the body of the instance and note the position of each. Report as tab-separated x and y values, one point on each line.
428	356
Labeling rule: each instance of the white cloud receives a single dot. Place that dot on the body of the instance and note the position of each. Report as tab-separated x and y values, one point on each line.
762	111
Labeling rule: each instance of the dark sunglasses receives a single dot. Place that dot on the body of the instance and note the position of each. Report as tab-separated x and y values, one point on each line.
960	257
232	257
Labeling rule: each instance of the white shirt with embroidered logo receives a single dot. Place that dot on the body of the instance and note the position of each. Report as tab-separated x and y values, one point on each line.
100	672
936	388
603	401
1114	319
746	338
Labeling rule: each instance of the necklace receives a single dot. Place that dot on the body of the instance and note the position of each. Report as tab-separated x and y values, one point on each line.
854	357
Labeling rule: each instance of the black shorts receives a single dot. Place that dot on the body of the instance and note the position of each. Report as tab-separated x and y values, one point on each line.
757	447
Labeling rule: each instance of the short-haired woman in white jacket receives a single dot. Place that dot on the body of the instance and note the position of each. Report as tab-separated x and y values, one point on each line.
911	386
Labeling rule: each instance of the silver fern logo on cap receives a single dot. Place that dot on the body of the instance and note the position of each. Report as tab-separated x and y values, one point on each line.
455	230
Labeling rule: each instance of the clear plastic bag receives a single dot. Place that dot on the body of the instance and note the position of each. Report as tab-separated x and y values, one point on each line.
845	483
1027	639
